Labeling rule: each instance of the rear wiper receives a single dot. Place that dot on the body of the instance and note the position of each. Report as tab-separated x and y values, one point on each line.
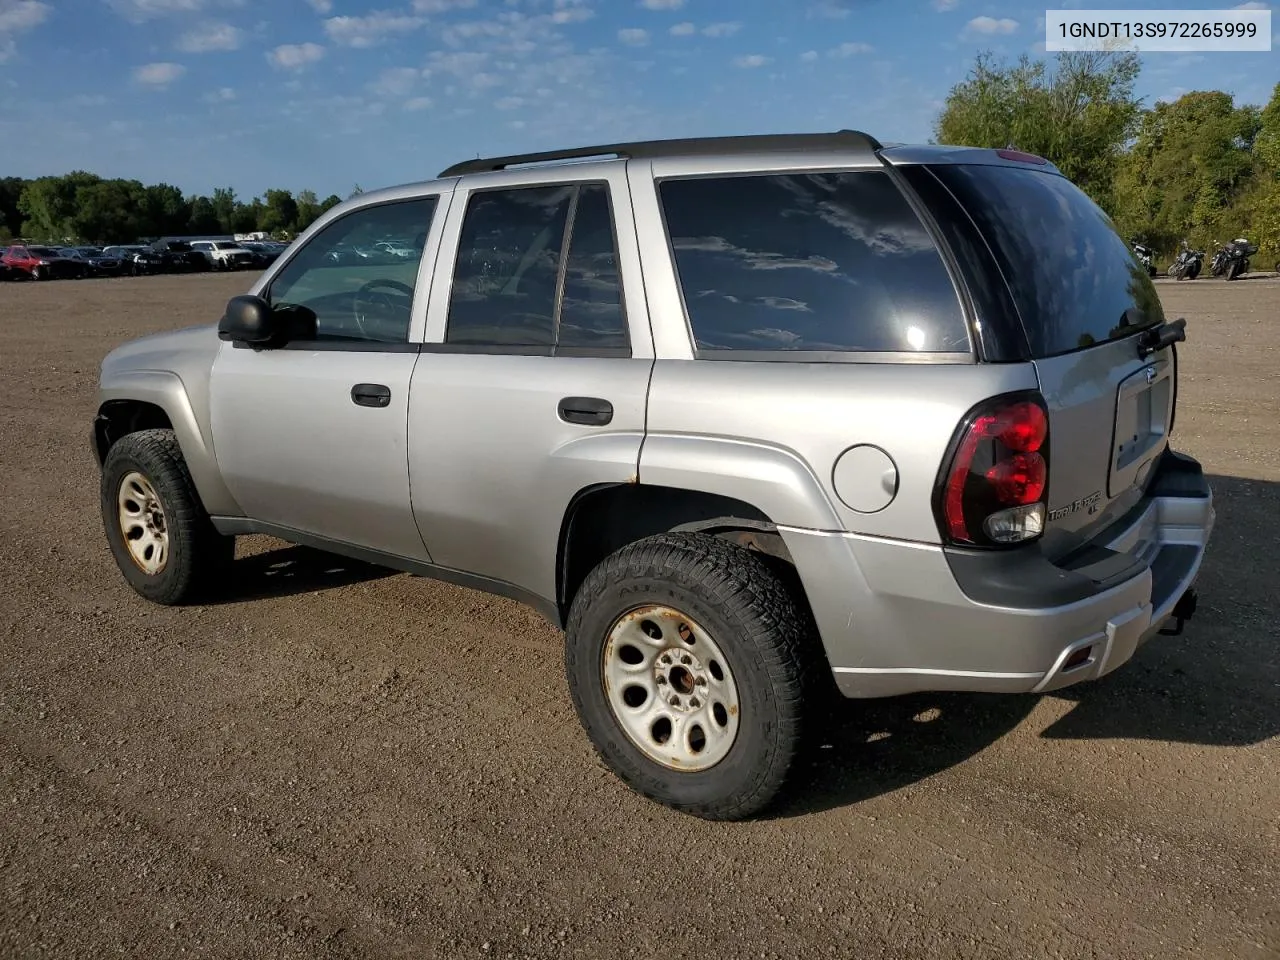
1157	338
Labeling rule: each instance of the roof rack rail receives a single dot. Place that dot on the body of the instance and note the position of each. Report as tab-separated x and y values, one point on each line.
697	146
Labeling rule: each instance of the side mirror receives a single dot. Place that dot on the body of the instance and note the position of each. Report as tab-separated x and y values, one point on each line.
249	320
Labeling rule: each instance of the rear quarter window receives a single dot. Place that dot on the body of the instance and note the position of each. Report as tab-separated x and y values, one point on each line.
1074	281
809	262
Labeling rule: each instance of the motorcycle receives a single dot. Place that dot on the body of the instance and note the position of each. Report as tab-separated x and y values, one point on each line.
1188	263
1237	254
1218	265
1146	256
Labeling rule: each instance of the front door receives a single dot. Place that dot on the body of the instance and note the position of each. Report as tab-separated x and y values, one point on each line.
534	375
310	436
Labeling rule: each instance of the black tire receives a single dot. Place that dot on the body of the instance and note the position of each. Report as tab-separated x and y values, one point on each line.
198	555
1234	270
1195	271
765	634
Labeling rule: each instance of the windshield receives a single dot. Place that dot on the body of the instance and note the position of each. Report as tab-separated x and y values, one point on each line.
1073	278
44	252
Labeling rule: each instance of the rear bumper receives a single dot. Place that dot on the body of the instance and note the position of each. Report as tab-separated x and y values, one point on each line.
898	617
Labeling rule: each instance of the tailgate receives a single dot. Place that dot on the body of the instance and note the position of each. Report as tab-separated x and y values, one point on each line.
1109	418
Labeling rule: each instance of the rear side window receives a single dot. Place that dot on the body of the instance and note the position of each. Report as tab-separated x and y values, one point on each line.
538	267
821	262
1073	278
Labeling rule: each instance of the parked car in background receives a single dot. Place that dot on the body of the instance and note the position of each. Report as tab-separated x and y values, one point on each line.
43	263
99	264
136	259
178	257
224	254
264	254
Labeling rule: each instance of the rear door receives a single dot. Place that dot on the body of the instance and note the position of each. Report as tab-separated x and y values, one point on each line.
1083	301
532	384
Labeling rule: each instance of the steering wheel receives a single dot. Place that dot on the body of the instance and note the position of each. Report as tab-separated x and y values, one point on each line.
369	296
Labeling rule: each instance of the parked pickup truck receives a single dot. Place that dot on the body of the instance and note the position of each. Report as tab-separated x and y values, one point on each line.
752	419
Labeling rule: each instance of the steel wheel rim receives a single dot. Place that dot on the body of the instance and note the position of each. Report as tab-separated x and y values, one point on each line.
670	688
143	524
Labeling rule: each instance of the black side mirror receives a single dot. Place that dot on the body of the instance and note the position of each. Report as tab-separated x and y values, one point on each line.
249	320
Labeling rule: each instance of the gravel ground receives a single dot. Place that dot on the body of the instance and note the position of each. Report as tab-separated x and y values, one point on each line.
344	762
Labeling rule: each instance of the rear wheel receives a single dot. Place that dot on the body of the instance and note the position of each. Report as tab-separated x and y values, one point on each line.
160	536
688	661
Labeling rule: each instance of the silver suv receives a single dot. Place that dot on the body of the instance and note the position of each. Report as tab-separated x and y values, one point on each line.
743	416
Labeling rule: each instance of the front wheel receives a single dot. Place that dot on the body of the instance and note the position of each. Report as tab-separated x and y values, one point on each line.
1195	270
159	534
1234	270
688	661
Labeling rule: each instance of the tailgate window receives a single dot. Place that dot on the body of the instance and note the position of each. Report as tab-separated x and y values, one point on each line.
1073	278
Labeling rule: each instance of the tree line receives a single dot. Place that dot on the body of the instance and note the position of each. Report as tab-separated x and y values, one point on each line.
1201	168
84	207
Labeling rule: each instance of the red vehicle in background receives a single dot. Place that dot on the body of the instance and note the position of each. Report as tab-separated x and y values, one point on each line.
41	263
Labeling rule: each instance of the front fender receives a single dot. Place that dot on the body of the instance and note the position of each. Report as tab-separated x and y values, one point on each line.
775	481
166	390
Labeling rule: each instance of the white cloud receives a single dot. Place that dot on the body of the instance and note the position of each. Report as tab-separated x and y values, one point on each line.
418	103
751	61
510	103
1252	5
221	95
634	37
945	5
809	56
685	29
852	49
442	6
210	36
396	82
571	11
371	30
321	6
138	10
830	9
721	29
662	4
295	56
19	16
989	25
159	74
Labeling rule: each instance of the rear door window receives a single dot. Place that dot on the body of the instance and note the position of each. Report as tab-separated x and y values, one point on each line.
809	262
1074	280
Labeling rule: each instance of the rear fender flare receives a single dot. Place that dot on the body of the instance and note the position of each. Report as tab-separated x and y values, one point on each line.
776	481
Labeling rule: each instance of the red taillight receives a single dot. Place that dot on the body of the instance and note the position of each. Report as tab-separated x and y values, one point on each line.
996	482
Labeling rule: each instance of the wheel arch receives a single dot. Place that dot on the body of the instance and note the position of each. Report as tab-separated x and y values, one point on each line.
147	399
603	518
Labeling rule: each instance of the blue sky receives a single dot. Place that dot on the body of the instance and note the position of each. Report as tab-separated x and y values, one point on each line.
324	94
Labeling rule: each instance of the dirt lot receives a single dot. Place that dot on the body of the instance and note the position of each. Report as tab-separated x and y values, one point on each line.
340	762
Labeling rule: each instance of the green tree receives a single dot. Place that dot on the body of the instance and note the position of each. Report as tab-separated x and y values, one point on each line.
308	210
48	205
280	212
1266	146
1191	160
224	207
1079	115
